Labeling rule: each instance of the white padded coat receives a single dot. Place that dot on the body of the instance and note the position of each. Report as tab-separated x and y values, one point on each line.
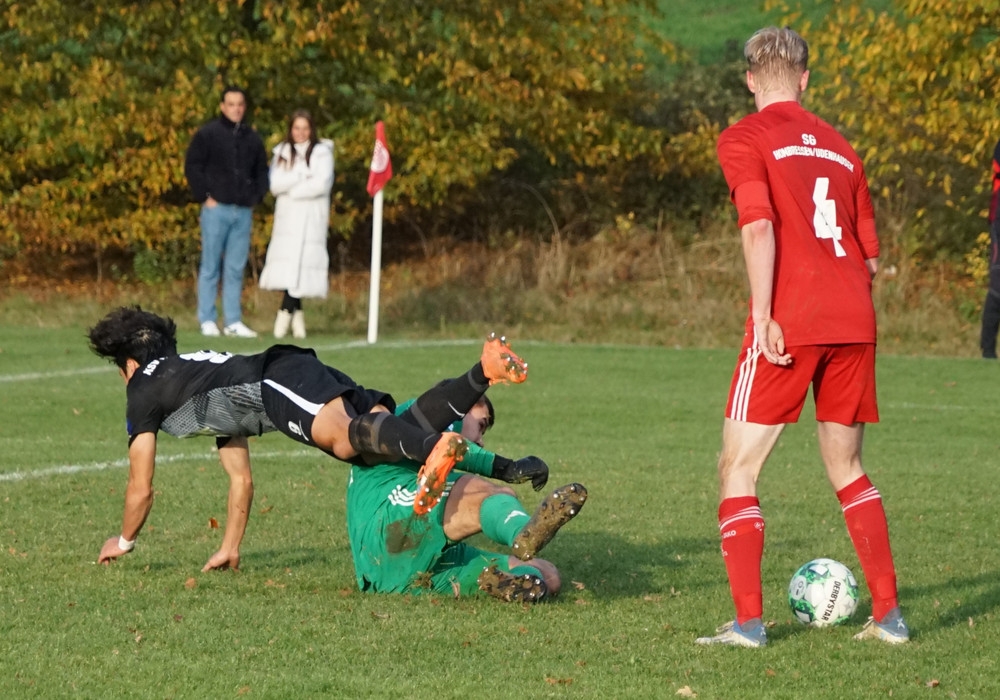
297	259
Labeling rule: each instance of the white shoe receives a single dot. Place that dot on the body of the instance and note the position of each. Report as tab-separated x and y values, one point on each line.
210	329
239	330
282	322
892	629
298	324
750	634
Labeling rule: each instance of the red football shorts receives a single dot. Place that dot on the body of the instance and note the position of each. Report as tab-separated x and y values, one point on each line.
842	378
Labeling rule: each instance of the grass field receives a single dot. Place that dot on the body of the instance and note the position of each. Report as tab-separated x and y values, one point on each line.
641	566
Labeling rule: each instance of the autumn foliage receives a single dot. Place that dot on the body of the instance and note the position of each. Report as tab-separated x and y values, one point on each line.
553	99
102	98
915	88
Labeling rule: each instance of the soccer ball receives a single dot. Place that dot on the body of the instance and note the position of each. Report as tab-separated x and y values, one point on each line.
823	592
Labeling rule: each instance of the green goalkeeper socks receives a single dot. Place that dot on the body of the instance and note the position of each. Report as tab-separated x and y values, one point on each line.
502	517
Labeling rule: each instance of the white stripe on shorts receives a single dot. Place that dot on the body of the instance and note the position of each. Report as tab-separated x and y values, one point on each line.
748	368
302	403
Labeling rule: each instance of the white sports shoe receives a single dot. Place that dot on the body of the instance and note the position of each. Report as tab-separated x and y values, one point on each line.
750	634
298	325
892	629
282	322
210	329
239	330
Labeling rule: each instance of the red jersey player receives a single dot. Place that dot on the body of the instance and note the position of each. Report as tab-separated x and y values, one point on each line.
811	250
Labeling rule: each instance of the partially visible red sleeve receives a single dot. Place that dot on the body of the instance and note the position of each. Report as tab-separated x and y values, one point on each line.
867	235
868	238
746	175
740	160
995	196
753	203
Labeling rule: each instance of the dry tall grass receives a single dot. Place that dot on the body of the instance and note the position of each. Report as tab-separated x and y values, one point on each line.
627	284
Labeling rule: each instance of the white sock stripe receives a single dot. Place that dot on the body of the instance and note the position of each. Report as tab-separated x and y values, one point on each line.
514	514
867	496
752	513
871	490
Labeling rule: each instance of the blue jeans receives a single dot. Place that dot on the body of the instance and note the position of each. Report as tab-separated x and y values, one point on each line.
225	246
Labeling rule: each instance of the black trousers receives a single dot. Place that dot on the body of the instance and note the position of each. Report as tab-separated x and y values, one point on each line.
991	306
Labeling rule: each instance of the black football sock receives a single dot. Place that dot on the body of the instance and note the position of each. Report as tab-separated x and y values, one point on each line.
392	439
449	401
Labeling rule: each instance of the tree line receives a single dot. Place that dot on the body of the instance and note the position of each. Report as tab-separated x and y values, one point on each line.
530	116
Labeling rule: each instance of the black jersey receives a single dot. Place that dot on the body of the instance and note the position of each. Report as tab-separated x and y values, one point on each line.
199	393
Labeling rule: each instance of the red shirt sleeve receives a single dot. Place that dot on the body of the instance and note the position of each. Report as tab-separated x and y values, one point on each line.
995	196
867	235
753	202
746	174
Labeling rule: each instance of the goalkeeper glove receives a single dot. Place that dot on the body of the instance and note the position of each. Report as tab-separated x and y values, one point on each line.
517	472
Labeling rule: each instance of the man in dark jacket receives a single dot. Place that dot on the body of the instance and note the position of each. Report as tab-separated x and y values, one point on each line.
226	168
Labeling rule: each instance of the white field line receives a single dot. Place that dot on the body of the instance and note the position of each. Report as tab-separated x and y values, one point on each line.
32	376
352	345
928	406
123	464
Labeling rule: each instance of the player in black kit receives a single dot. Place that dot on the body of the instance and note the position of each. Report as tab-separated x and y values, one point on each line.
284	388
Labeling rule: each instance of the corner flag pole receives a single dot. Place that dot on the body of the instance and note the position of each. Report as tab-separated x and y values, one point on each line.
376	270
379	173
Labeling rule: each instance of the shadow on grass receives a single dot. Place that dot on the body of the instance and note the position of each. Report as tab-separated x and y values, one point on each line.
614	566
973	597
953	603
294	558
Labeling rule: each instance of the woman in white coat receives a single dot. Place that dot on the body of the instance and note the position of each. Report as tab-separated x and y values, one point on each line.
297	261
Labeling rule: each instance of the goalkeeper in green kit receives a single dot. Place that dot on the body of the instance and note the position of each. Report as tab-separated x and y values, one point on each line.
398	549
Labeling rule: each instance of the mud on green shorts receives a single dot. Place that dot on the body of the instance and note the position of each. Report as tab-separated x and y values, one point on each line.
396	551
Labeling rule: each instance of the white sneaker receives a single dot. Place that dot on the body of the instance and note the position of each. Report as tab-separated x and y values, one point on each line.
239	330
892	629
282	322
210	329
750	634
298	325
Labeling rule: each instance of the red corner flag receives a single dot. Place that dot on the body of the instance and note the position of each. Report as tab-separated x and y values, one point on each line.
381	168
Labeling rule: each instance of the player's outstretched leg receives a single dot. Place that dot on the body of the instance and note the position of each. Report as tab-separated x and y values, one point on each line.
433	476
512	588
750	634
500	363
891	629
555	510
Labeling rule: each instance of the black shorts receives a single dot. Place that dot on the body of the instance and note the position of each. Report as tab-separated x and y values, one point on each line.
296	385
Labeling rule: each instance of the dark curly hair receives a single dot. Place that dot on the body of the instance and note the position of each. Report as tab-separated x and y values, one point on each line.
129	332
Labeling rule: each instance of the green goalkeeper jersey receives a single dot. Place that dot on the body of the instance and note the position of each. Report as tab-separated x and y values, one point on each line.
392	548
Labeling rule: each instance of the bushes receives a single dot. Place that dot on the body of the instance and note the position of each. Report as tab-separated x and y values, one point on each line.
543	118
102	100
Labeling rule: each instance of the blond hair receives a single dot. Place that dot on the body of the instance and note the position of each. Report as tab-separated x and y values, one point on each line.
776	57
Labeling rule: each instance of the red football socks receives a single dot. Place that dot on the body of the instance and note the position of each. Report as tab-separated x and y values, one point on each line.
742	528
866	523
